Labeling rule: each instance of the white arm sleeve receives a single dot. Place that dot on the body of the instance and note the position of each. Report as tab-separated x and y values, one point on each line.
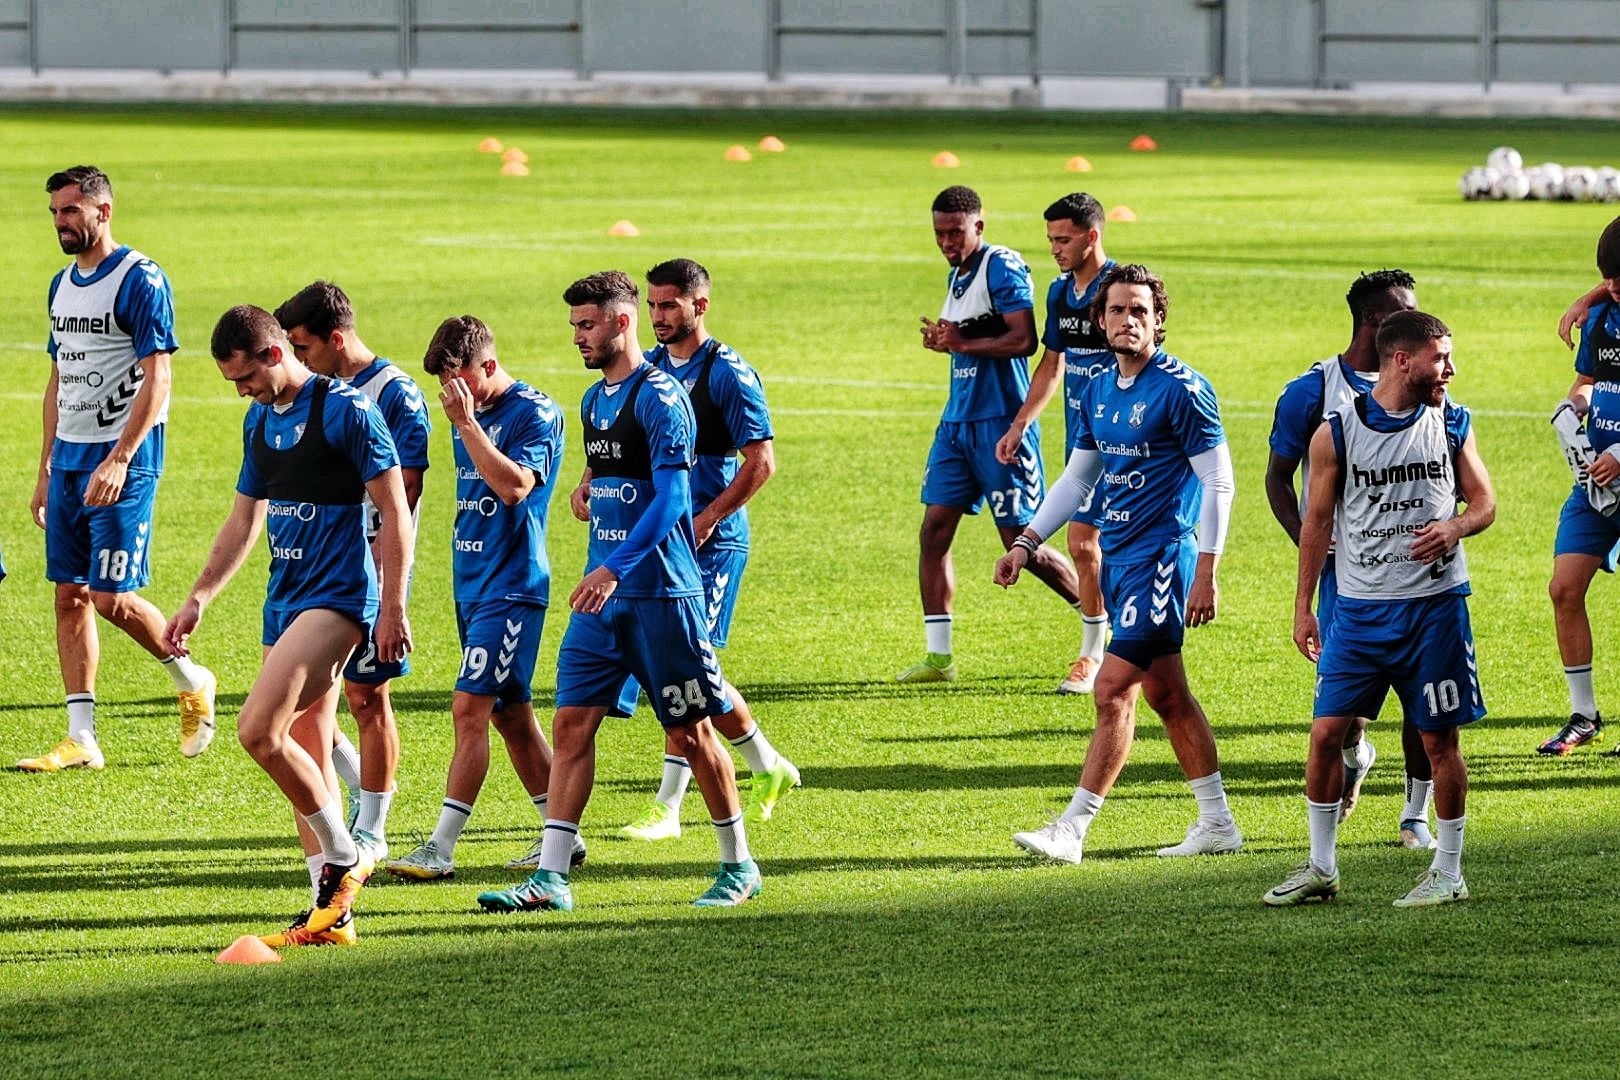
1214	468
1070	492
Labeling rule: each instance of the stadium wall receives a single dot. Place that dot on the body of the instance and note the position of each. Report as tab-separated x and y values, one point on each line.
993	53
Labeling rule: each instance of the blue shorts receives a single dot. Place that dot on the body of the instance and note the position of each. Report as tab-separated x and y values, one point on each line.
660	644
1327	596
963	472
276	621
1147	601
1584	531
722	572
499	642
1423	649
365	669
105	547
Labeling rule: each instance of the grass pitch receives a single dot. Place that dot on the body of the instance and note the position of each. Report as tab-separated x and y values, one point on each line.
899	931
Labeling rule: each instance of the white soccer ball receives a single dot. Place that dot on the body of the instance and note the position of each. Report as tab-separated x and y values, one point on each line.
1554	173
1492	181
1512	186
1541	185
1580	183
1608	185
1505	159
1474	184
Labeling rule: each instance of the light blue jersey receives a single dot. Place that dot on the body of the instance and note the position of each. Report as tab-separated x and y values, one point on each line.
500	550
1147	430
979	294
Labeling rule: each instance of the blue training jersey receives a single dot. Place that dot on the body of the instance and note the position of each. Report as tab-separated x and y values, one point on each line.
1303	406
731	400
143	313
319	557
622	451
1147	432
403	410
1070	331
500	550
993	283
1599	359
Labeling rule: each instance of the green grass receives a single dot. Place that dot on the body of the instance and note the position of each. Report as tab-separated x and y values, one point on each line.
899	932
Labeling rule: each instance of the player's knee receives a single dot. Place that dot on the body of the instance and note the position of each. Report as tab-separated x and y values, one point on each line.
366	703
471	719
1087	556
689	740
257	739
71	599
110	606
1567	593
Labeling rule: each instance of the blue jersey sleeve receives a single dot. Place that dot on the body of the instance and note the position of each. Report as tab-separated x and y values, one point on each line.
736	389
1459	422
1585	361
145	310
408	422
1298	415
666	416
1050	336
356	429
1198	419
1008	280
536	442
248	480
672	497
50	298
1083	439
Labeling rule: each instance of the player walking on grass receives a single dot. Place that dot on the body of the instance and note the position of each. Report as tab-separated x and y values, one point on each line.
1588	537
1151	436
987	328
312	447
1386	474
638	612
1321	391
319	322
1076	352
733	457
106	407
508	440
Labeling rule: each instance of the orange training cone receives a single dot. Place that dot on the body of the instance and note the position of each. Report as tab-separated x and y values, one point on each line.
514	154
514	168
946	160
1122	213
738	152
623	228
1144	142
248	949
1077	164
772	145
491	145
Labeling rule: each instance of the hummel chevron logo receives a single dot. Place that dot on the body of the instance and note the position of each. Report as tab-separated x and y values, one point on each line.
669	399
513	627
1160	609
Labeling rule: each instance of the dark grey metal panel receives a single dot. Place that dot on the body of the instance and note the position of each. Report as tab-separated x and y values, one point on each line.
1281	42
689	36
171	34
379	13
318	50
1402	61
512	48
502	12
1173	38
1549	18
1557	63
889	54
1434	18
867	14
13	48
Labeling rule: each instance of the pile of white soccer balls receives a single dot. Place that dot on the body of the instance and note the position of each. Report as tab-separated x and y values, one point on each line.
1503	176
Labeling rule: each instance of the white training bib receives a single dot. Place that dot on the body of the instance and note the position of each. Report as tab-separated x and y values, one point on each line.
98	373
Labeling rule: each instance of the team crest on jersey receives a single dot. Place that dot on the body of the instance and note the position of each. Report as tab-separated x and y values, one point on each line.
495	432
1136	413
1100	408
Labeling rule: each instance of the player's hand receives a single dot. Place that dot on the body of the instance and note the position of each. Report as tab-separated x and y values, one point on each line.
929	330
181	626
1008	445
36	505
393	637
458	403
592	593
1435	539
106	483
1010	565
1573	317
1605	470
1202	599
1307	635
703	527
947	338
579	501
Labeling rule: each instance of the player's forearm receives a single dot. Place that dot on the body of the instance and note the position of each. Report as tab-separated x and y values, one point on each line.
1068	494
412	479
146	408
1314	534
758	466
672	497
48	410
1282	498
1012	345
397	551
231	546
1214	469
1043	383
510	481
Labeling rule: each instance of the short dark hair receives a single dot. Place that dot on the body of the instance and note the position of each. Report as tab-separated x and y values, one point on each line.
93	183
687	275
604	288
1368	289
957	199
1608	251
1405	331
1132	274
1082	209
319	307
245	329
460	341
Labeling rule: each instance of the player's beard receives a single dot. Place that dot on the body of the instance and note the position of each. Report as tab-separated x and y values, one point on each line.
674	334
74	241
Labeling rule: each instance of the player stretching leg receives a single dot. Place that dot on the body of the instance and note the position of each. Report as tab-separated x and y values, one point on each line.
987	328
1321	391
732	419
508	440
638	612
1152	435
1588	537
319	322
1076	350
311	448
106	403
1387	471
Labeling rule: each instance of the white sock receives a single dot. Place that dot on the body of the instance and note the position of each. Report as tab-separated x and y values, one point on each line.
1355	757
452	819
327	825
1093	635
757	750
186	673
677	777
1211	796
557	845
314	862
1417	800
81	710
1582	700
1324	820
733	840
1081	809
937	632
346	762
373	811
540	802
1448	855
